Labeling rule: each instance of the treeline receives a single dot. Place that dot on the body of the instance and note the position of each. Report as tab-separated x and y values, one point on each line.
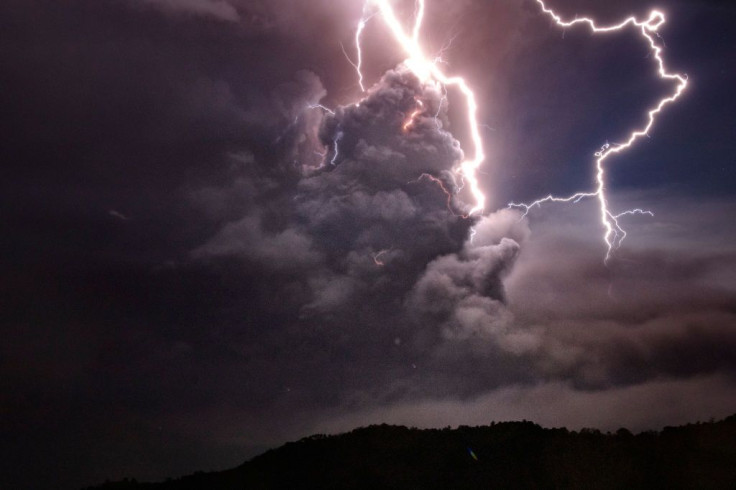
502	455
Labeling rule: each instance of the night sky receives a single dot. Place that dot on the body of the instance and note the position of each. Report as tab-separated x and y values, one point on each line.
186	281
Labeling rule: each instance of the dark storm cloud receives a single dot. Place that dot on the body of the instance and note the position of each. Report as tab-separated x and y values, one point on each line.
370	252
441	282
182	285
372	195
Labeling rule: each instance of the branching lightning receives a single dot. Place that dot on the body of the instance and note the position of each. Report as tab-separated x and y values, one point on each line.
320	106
614	234
336	147
427	70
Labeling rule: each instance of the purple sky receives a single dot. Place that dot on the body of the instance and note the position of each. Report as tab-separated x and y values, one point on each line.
181	287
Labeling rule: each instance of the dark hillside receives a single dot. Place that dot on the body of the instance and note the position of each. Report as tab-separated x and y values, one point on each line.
504	455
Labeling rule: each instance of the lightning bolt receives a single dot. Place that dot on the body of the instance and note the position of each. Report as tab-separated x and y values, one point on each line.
614	234
377	257
412	117
429	73
320	106
336	147
358	65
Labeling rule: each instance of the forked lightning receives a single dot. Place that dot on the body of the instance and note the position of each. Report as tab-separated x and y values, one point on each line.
614	234
428	72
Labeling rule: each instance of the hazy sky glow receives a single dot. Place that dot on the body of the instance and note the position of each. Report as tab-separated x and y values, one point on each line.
182	286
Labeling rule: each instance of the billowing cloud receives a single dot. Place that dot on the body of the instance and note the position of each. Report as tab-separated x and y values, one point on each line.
463	292
373	239
368	188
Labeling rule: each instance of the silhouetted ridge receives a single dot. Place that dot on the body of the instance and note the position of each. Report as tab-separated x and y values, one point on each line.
503	455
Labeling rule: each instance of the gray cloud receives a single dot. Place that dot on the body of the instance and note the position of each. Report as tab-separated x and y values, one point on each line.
463	292
246	237
383	258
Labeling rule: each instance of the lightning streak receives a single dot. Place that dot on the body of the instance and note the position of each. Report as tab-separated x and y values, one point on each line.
418	19
336	147
320	106
428	72
443	100
358	65
377	257
441	185
412	117
614	234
